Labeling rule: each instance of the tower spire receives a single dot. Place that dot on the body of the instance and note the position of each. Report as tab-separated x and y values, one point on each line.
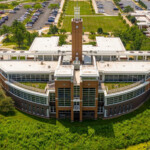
77	35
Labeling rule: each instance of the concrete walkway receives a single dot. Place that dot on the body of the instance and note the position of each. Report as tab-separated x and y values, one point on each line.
127	21
59	12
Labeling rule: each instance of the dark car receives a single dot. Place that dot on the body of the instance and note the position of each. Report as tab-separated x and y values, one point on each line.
12	11
2	20
115	8
51	19
6	17
16	8
30	22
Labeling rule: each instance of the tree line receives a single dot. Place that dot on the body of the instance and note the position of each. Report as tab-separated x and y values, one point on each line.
17	33
6	103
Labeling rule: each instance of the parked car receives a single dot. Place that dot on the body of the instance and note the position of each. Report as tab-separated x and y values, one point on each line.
48	23
5	18
2	12
12	11
29	25
51	19
16	8
115	8
101	11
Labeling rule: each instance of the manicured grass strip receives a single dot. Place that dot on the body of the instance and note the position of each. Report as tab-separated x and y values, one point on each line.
108	23
35	85
85	7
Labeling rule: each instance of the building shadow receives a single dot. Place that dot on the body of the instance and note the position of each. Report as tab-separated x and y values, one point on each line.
102	127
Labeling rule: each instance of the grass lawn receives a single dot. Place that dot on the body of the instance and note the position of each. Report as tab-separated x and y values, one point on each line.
85	7
21	131
36	85
115	85
108	23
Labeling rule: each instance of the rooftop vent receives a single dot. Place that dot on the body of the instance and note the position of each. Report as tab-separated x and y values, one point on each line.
49	66
42	63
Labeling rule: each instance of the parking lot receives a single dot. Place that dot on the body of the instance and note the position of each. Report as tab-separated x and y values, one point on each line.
43	17
106	6
14	16
147	3
130	3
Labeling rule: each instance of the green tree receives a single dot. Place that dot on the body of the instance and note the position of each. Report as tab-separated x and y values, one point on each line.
92	32
19	36
6	105
27	6
19	32
53	6
128	9
6	30
30	37
99	30
4	6
62	39
14	3
37	6
53	29
62	31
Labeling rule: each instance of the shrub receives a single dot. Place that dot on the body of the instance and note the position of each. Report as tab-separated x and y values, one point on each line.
99	30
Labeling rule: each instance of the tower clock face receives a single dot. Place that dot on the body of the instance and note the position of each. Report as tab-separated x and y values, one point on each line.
76	27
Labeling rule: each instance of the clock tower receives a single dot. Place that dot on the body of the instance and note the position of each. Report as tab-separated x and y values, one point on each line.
77	36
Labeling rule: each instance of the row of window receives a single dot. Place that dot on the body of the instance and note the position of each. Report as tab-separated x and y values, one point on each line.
76	91
52	97
29	77
89	96
127	78
121	109
3	73
64	97
33	109
106	58
29	97
47	57
124	97
101	97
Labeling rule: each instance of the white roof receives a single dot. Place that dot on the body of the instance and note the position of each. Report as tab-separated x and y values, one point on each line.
44	43
28	66
109	44
64	71
88	71
123	67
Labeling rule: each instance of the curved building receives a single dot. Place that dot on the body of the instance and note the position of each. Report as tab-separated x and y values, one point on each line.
76	77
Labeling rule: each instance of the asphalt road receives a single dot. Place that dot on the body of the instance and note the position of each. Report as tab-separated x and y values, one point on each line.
128	3
15	16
